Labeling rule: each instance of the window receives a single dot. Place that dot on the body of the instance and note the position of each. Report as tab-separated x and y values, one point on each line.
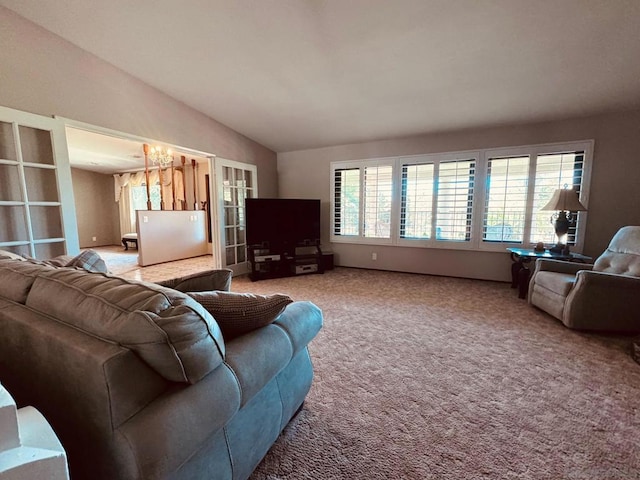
434	201
370	218
454	195
346	211
553	171
441	190
139	199
416	215
377	201
506	199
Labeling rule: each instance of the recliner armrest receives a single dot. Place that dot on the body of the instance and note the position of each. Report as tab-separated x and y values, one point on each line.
600	300
560	266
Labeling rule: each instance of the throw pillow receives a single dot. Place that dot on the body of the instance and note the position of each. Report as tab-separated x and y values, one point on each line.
90	261
240	313
11	255
201	281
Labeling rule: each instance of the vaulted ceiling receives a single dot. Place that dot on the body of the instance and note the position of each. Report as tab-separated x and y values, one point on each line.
297	74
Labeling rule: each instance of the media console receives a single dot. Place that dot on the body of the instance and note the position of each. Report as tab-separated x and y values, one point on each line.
270	263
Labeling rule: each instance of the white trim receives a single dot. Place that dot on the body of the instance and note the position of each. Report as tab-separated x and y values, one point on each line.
129	136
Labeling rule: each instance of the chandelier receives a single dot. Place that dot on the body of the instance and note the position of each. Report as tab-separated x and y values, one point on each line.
160	156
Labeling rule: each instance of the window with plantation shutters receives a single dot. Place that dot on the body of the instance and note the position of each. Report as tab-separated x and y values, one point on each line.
455	187
346	211
416	214
505	203
485	200
378	184
553	171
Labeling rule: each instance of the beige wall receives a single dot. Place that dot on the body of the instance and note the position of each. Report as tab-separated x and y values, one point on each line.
44	74
614	199
96	209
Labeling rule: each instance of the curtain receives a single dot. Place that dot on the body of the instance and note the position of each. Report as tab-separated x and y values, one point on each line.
122	193
123	183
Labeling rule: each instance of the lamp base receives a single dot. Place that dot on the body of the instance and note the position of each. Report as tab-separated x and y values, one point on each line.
560	248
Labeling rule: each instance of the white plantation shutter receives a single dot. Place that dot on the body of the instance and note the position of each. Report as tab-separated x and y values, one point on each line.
416	215
431	200
346	211
378	188
554	171
455	188
505	199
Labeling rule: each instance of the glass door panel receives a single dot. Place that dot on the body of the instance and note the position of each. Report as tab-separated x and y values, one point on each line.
49	250
234	184
41	184
37	210
7	142
10	184
14	225
35	145
46	222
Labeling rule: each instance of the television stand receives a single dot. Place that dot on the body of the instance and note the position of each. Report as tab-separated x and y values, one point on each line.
277	263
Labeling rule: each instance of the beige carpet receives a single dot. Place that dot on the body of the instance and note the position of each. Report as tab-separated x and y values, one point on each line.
420	377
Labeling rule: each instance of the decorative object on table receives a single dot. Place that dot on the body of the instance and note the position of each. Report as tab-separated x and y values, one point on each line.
539	247
564	201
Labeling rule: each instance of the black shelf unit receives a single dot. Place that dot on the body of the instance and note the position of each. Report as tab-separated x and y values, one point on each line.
284	262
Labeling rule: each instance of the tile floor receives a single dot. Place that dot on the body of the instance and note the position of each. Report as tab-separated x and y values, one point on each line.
124	263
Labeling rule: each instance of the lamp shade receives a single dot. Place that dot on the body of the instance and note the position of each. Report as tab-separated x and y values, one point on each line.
566	200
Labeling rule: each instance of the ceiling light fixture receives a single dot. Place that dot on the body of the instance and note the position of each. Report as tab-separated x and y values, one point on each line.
160	156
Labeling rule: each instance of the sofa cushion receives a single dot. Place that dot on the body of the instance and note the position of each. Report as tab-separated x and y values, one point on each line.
17	278
170	331
240	313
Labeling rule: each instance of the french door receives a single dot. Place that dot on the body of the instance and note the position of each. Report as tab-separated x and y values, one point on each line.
37	210
234	182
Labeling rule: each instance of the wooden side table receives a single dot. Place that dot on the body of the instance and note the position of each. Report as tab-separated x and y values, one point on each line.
520	268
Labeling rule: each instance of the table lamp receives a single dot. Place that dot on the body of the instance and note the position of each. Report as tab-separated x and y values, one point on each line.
564	201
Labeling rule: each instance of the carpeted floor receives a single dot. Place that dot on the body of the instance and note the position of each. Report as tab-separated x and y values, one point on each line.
421	377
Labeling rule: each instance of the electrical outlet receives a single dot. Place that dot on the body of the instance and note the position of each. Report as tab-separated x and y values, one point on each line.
145	219
374	256
95	239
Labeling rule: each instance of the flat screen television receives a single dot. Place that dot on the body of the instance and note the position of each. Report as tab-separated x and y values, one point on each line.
282	222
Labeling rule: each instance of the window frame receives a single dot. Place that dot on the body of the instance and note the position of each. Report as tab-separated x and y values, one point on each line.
481	158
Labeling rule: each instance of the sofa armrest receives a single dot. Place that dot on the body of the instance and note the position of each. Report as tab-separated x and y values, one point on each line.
202	281
301	321
603	301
